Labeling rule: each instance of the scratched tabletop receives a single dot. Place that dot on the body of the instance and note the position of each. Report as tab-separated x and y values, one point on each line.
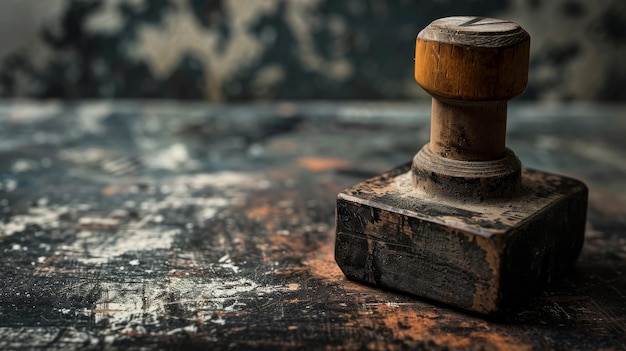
142	225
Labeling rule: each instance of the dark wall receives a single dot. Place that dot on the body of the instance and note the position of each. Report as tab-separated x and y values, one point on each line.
238	50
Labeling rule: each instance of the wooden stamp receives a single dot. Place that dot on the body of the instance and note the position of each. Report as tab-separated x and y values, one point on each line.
464	223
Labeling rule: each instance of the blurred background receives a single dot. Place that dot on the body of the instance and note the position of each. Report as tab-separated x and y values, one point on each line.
247	50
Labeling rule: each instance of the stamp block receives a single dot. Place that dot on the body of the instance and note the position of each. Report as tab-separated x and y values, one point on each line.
486	257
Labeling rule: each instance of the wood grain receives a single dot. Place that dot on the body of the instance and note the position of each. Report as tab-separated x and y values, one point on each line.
146	225
483	62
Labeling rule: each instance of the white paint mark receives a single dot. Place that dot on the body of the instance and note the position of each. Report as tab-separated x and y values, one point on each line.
91	117
234	306
227	263
256	150
98	222
35	337
29	113
109	339
11	228
133	262
8	185
206	214
127	307
172	158
119	214
220	180
220	321
84	155
24	165
230	266
99	249
44	217
188	329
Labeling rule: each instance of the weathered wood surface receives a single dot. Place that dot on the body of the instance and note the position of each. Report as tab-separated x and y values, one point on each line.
202	226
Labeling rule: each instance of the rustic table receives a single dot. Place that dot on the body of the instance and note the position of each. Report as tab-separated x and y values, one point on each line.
170	225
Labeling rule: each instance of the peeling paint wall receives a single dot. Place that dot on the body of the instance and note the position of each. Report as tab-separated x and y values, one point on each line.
238	50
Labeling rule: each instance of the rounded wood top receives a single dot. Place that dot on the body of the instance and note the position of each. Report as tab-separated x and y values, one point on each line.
475	31
472	58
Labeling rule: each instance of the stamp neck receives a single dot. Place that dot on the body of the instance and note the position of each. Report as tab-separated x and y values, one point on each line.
468	131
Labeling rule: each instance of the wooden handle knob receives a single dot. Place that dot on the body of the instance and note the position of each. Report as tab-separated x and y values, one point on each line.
471	66
472	58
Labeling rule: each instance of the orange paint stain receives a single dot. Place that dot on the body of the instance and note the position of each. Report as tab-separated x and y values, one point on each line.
259	212
112	190
293	286
407	323
321	164
322	264
297	301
